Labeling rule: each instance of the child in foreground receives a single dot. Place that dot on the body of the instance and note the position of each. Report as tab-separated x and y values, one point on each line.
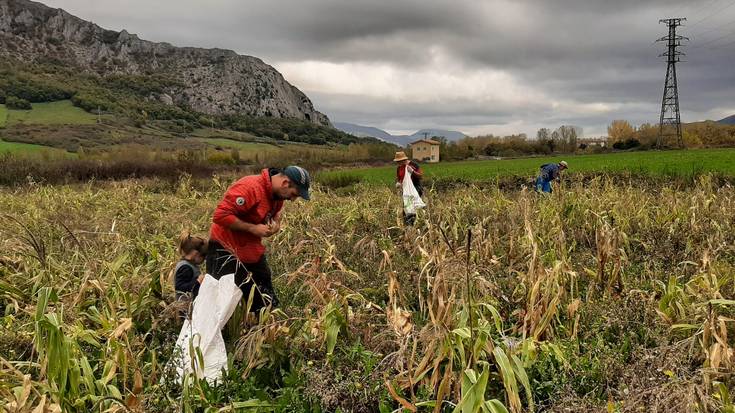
187	275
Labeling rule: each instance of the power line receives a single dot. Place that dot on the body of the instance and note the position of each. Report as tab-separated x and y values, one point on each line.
717	28
704	7
714	40
722	45
716	12
681	7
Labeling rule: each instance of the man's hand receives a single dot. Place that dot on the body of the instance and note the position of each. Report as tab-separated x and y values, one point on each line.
261	230
200	279
274	226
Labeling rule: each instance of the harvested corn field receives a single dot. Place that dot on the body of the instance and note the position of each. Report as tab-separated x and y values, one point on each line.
602	297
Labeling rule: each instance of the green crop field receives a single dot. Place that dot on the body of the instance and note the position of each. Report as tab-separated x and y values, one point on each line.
656	163
52	113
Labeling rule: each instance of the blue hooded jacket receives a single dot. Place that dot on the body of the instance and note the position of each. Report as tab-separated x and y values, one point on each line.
549	172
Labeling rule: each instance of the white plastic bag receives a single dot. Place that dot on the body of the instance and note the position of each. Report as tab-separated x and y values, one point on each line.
411	199
213	307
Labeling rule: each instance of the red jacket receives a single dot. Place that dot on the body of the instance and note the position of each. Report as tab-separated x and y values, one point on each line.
250	199
401	172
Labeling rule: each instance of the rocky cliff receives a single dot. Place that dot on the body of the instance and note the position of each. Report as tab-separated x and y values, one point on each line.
212	81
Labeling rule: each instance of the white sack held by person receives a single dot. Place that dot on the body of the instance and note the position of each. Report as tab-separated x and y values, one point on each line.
200	348
411	199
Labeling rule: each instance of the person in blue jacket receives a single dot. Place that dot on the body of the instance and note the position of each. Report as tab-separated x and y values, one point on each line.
549	172
187	275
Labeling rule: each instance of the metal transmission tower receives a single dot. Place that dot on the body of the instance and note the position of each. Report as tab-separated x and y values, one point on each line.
670	122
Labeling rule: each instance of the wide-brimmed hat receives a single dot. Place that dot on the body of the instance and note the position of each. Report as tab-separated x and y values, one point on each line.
400	156
564	164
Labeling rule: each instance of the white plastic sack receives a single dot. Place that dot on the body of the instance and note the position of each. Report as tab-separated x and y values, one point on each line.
411	199
212	308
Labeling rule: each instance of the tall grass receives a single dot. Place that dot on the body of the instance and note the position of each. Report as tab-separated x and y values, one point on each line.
602	296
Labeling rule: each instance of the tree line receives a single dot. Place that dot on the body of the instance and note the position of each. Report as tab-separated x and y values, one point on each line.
623	135
564	139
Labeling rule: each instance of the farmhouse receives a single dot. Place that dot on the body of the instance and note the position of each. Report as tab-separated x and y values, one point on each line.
601	141
425	150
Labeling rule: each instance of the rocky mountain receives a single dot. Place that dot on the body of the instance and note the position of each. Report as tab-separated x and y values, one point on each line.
401	140
730	120
213	81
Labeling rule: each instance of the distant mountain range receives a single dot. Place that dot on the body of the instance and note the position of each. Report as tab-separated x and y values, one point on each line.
400	140
730	120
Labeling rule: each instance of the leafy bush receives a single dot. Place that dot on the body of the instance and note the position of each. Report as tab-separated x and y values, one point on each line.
140	85
31	88
13	102
221	158
91	102
627	144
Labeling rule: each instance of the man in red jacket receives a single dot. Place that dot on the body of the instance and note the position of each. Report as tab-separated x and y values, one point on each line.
249	212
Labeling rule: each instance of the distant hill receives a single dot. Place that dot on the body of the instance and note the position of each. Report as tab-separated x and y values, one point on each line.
401	140
51	60
209	81
730	120
363	131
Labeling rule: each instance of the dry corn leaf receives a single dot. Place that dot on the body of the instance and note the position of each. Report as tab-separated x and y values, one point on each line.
41	407
405	403
400	320
25	392
124	326
573	307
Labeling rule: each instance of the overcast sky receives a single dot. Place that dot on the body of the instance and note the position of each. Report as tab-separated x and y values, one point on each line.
477	66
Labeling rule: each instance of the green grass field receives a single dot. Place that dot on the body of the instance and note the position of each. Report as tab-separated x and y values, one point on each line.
655	163
17	147
52	113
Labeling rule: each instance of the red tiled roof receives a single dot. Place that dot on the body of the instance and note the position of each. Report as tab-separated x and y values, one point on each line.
429	141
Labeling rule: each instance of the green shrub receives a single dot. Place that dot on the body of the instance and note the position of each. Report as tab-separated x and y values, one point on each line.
91	102
220	158
628	144
13	102
32	89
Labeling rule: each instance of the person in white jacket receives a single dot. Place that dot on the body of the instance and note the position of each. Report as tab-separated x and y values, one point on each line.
407	166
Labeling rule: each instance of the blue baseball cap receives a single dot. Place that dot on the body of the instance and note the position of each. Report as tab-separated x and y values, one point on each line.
300	177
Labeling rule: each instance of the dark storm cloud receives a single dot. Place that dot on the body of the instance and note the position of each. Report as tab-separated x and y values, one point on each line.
588	62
